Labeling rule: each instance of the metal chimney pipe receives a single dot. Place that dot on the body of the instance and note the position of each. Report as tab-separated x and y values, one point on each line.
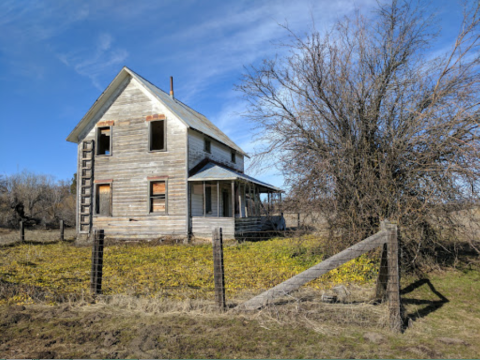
171	87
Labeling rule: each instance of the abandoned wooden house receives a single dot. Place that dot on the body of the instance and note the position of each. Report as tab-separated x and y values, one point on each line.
150	166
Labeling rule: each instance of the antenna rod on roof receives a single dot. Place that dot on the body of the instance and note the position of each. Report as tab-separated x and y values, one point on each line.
171	87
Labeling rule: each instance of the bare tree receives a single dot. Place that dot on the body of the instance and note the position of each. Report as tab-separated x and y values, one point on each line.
366	125
35	199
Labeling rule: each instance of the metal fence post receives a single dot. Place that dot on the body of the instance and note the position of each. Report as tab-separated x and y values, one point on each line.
218	274
97	262
62	232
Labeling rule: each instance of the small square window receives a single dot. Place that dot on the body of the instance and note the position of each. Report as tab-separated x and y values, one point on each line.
233	157
158	197
104	141
208	146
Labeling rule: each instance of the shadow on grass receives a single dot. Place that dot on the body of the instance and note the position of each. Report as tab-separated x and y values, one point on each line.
431	305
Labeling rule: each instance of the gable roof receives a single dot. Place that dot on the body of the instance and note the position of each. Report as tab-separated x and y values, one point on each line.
191	118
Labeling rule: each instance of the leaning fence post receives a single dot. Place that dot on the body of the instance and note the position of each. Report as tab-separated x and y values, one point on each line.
218	274
22	231
97	262
393	289
62	232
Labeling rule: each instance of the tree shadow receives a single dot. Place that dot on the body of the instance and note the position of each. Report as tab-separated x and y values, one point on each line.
432	305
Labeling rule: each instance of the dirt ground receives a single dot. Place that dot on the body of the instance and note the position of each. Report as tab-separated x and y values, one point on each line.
444	312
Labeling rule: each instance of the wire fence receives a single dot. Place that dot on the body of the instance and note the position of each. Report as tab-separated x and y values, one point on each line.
36	235
260	269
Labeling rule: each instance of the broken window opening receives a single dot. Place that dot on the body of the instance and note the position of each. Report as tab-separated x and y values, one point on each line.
103	200
233	157
157	135
158	203
104	141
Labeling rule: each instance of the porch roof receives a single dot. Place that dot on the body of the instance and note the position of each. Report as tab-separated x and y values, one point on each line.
212	172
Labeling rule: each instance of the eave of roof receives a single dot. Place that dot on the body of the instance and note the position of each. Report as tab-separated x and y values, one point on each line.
213	172
191	118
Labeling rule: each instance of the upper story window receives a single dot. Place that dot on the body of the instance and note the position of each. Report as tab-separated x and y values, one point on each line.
208	146
104	140
233	157
157	135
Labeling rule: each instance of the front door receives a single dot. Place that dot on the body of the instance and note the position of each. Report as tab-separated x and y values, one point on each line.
225	203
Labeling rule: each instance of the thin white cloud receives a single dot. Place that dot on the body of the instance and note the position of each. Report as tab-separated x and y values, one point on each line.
39	20
95	64
244	34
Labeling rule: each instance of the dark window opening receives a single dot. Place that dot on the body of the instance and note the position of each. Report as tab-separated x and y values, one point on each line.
208	199
208	146
158	197
233	157
226	204
104	141
157	135
103	200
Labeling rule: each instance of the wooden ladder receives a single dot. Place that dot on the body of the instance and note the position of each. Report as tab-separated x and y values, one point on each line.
86	186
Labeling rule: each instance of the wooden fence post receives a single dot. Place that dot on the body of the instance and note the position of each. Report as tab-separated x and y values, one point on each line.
218	274
22	231
393	288
62	232
97	262
382	280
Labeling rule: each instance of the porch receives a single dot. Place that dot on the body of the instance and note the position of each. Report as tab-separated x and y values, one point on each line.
222	197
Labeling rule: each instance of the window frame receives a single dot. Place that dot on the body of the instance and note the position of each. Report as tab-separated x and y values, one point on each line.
164	135
149	199
97	134
207	149
96	208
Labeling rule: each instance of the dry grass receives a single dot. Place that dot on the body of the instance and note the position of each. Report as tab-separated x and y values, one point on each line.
299	326
10	237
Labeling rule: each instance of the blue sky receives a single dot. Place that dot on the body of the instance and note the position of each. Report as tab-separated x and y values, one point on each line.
56	57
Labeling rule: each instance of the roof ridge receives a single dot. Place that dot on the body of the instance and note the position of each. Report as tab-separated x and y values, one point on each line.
175	99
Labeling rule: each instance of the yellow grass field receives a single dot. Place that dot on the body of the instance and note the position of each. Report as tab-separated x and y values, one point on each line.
174	271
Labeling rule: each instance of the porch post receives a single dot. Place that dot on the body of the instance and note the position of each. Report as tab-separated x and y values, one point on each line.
239	200
268	202
245	207
218	198
233	198
204	201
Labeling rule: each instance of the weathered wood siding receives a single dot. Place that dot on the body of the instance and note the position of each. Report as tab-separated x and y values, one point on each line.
131	163
219	152
202	227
